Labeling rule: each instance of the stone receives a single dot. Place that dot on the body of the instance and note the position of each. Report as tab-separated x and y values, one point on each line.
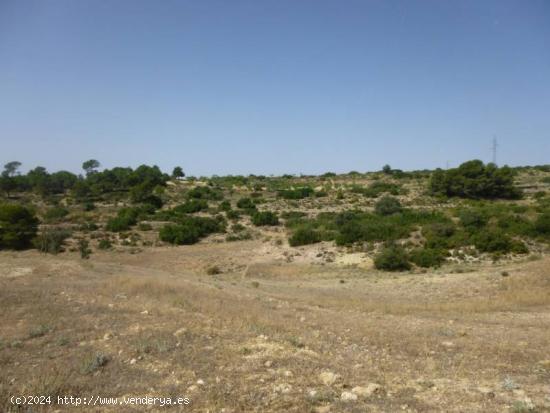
368	390
348	396
328	378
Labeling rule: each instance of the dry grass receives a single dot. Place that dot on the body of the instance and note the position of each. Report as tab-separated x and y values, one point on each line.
155	324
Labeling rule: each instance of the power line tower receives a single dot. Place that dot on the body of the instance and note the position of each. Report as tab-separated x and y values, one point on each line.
494	149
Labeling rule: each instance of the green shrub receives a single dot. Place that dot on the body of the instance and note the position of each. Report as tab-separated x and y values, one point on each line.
542	224
246	203
51	240
237	227
225	206
298	193
388	205
205	192
239	236
104	244
233	215
375	189
88	226
119	224
262	218
55	214
89	206
191	206
191	229
392	258
304	236
472	219
496	241
475	180
84	249
427	257
179	234
125	218
18	226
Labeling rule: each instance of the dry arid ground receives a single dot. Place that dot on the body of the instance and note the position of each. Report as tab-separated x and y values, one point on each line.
269	335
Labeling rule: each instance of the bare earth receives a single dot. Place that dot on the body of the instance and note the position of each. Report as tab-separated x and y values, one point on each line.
269	335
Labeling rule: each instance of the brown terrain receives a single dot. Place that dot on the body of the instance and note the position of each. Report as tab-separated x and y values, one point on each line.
271	335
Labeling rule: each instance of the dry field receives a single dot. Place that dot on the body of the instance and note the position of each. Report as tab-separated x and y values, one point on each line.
269	335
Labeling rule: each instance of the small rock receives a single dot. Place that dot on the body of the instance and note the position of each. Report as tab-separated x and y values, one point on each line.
107	336
368	390
348	396
180	332
448	344
192	388
283	388
322	409
145	312
133	361
200	382
328	378
268	363
288	373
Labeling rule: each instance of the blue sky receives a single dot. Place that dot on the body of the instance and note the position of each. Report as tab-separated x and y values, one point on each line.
282	86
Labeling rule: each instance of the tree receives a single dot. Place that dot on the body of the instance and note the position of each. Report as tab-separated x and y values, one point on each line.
387	169
178	173
11	168
18	226
90	166
7	184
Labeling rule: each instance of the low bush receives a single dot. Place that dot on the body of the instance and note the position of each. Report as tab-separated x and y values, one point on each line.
304	236
126	218
205	192
104	244
388	205
191	206
427	257
496	241
55	214
84	249
191	229
246	203
265	218
376	189
392	258
233	215
51	240
298	193
88	226
542	224
225	206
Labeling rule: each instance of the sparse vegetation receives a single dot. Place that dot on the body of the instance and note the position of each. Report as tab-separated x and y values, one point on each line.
51	240
265	218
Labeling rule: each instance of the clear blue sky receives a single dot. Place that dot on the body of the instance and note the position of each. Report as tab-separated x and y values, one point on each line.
273	86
